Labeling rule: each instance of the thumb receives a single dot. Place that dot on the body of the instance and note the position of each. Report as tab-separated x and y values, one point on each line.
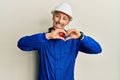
62	38
68	38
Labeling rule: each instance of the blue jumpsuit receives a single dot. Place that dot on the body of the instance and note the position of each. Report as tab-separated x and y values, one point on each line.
57	57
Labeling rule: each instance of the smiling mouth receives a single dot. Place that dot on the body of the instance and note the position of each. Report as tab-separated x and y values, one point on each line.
58	25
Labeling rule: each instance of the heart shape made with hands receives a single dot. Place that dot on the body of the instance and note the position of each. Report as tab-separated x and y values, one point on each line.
64	34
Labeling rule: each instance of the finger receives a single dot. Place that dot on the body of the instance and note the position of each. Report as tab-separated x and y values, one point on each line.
70	31
60	30
67	35
68	38
62	38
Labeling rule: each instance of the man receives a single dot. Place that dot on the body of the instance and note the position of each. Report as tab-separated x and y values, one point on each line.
58	48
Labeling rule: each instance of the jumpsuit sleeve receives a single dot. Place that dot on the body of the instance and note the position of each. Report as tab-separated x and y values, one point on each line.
29	43
89	45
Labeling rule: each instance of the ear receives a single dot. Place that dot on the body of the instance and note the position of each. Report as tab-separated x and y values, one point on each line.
53	16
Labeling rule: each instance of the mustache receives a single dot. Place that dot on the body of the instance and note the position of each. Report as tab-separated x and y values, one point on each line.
59	23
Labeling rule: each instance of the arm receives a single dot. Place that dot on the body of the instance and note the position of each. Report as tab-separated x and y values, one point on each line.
89	45
86	43
29	43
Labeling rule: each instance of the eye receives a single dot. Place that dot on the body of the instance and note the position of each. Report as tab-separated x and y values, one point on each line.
65	18
57	15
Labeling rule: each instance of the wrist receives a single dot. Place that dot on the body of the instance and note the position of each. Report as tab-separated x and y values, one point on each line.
81	37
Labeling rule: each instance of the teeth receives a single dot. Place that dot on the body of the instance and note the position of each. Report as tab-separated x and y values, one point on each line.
58	25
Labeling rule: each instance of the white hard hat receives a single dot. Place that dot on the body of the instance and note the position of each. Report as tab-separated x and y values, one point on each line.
65	8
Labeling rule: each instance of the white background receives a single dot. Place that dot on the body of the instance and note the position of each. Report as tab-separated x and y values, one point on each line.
97	18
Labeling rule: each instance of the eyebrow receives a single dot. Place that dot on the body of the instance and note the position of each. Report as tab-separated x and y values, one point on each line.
58	12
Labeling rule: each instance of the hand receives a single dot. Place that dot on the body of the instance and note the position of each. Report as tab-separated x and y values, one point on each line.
73	34
69	34
56	34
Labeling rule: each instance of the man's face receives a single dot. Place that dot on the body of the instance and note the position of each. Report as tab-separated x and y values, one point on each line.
60	20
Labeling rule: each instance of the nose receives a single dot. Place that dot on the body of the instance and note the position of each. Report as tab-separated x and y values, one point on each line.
60	20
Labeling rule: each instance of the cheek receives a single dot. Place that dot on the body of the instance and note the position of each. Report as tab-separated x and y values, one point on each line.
55	20
67	22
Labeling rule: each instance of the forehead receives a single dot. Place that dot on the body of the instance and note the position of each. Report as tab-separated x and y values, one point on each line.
60	13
